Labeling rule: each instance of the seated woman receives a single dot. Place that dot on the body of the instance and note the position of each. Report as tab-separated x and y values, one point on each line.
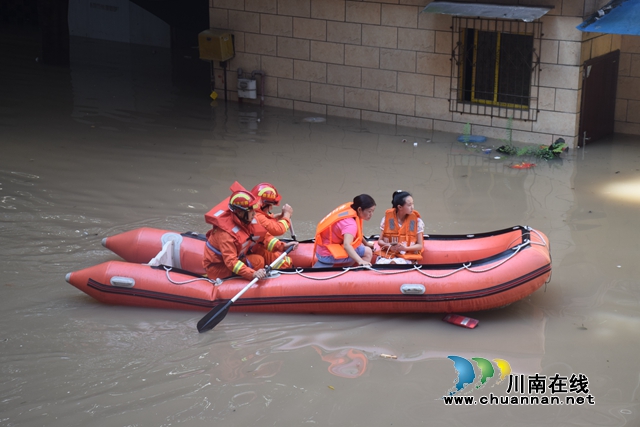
339	238
401	238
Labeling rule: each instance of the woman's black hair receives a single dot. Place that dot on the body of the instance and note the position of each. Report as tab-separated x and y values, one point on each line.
399	197
363	201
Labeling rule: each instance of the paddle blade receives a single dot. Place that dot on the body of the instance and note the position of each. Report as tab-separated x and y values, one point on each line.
215	316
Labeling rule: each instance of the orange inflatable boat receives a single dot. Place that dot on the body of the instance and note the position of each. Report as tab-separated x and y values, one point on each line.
458	273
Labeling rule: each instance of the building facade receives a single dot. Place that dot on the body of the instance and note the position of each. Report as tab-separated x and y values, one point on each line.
387	61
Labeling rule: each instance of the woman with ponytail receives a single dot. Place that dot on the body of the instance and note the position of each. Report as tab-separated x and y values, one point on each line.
401	238
339	238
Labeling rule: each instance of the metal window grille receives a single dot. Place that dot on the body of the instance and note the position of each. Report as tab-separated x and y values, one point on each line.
495	68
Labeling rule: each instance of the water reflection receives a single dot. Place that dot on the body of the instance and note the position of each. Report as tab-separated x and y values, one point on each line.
345	363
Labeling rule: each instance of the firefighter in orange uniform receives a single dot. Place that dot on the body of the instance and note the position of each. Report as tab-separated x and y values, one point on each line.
276	225
234	234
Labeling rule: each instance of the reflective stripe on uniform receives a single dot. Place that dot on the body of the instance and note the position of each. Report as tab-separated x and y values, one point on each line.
285	223
279	264
237	267
272	244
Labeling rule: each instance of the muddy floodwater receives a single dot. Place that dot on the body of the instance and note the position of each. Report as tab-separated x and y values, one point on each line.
121	139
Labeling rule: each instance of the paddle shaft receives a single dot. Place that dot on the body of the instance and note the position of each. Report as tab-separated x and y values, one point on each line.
246	288
293	233
218	312
267	268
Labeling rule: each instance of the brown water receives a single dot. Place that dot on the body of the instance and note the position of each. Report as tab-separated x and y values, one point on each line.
120	140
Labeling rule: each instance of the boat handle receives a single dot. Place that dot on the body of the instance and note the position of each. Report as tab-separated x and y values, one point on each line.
122	282
412	289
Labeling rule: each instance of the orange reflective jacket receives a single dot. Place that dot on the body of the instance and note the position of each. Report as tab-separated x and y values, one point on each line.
221	258
407	234
228	242
275	226
336	243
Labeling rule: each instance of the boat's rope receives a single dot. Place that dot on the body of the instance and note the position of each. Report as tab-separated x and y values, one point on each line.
544	242
299	271
216	282
467	266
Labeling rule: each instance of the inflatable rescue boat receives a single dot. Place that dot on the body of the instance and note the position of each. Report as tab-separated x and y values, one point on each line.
458	273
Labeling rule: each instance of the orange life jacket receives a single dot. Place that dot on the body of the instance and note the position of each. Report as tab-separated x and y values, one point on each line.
245	236
408	233
335	245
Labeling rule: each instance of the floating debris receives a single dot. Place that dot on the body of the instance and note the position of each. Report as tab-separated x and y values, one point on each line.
523	165
389	356
314	119
465	322
472	138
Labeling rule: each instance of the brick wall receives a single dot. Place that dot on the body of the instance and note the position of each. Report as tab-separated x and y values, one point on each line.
628	96
387	62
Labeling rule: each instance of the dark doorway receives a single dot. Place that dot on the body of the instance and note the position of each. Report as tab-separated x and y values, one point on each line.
186	19
599	83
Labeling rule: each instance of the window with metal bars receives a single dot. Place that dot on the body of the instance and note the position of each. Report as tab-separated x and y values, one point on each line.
495	68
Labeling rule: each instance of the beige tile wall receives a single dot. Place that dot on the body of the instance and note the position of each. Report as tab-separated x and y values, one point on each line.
385	61
628	98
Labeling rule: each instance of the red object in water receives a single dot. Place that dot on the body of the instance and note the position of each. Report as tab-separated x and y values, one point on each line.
465	322
522	165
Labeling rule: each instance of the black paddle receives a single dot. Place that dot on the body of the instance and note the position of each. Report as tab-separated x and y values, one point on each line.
217	313
293	234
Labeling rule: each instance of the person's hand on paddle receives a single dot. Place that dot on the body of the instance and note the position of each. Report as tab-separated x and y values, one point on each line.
260	274
287	211
289	244
217	313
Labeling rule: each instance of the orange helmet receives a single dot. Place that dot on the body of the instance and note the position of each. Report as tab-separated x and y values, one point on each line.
243	200
267	193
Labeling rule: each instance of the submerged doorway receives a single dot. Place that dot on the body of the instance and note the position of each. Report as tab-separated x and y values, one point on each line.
599	83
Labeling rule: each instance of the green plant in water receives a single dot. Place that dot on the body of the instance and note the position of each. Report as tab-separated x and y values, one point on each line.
509	139
508	148
547	153
466	132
